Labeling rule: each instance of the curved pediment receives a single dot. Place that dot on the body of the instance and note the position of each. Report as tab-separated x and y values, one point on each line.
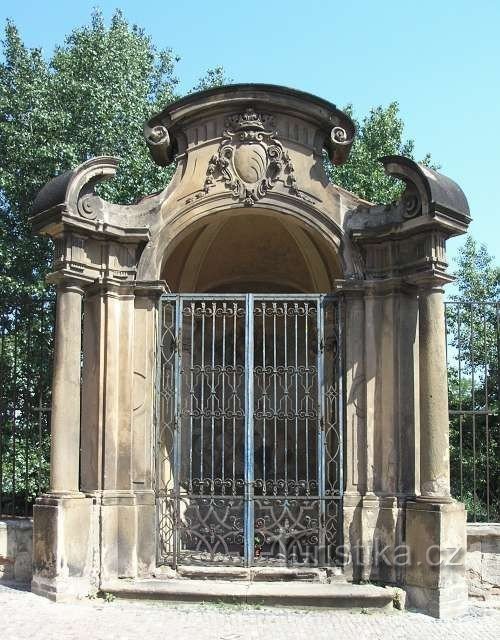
299	117
254	145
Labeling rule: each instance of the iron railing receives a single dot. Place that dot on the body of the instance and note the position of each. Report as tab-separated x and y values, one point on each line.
473	340
26	346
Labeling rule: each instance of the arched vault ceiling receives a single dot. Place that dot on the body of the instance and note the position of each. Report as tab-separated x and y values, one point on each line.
248	252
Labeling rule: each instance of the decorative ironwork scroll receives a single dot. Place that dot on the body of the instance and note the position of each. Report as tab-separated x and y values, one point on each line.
249	432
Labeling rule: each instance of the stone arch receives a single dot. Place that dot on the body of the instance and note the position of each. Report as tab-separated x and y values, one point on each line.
318	241
258	251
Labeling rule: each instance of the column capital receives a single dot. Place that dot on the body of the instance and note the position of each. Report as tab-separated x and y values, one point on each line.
71	286
66	280
432	280
151	288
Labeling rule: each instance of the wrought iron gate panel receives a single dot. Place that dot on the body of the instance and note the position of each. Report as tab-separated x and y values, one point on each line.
249	432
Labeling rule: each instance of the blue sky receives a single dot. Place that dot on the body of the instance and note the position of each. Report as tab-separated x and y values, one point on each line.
439	60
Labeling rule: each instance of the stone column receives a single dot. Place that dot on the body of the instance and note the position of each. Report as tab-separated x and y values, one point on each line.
435	523
434	426
65	423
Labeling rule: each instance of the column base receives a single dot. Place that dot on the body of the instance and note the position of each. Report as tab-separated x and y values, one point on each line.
62	589
435	499
436	544
443	603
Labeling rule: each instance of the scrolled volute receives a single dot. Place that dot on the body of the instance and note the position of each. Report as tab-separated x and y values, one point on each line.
340	140
427	192
428	198
74	191
159	143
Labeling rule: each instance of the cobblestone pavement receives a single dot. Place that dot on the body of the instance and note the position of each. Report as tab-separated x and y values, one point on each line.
24	614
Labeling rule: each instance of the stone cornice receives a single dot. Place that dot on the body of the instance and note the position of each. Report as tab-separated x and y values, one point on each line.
407	238
151	288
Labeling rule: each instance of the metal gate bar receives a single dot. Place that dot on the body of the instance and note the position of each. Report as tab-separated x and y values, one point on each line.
211	511
249	445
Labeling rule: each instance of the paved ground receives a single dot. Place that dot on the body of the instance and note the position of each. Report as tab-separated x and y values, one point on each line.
22	613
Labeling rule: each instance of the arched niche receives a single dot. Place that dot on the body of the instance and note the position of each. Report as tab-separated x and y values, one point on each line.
250	250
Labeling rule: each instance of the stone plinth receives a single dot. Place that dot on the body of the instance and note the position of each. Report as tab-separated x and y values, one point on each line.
64	542
436	542
16	550
483	559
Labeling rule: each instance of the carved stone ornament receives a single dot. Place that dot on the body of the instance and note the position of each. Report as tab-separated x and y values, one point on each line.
250	159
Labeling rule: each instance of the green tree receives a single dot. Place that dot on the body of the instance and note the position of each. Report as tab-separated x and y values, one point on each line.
91	97
215	77
477	275
380	133
473	377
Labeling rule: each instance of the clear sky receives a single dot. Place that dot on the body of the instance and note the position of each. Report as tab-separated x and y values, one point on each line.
439	59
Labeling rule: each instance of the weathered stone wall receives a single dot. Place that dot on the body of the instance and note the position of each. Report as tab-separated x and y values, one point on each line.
16	550
483	560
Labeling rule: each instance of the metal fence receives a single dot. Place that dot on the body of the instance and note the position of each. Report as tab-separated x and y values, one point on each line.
473	340
26	348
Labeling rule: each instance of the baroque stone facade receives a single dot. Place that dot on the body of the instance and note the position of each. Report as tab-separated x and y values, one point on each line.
250	209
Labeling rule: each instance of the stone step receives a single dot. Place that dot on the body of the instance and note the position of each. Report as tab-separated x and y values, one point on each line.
333	595
257	574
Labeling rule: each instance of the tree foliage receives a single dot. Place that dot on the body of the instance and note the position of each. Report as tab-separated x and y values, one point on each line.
477	275
473	376
90	98
380	133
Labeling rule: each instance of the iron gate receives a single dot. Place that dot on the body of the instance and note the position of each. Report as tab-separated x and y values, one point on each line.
249	437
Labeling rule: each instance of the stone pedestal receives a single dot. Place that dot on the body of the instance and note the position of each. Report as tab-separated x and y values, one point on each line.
65	531
437	545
